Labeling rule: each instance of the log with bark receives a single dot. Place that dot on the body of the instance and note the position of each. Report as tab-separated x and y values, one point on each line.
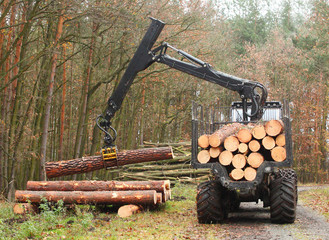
159	186
250	173
231	143
91	163
145	197
218	137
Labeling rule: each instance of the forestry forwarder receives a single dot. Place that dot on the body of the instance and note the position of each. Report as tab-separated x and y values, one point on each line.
275	186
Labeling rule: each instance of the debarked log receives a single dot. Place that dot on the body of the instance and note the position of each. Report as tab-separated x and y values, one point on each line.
92	163
147	197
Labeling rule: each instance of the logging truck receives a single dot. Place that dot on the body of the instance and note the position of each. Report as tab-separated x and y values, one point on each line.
249	162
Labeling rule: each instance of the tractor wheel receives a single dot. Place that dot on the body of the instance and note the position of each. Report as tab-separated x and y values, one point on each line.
283	196
209	203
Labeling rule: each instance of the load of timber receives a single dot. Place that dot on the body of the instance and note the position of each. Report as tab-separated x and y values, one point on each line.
243	148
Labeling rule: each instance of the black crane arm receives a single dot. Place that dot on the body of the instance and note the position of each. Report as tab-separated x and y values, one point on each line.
145	56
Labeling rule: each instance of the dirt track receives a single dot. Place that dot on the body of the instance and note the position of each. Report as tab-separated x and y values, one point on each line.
253	222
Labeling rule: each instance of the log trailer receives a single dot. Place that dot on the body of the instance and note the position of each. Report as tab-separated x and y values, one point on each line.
275	183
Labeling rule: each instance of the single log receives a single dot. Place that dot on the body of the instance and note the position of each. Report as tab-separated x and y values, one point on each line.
146	197
203	141
273	127
254	145
128	210
244	135
25	208
215	151
280	140
203	156
231	143
239	161
268	142
166	196
237	174
159	198
255	159
243	148
225	158
250	173
218	137
159	186
258	132
279	154
91	163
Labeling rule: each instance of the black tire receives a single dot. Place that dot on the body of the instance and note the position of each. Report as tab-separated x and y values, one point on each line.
209	203
283	196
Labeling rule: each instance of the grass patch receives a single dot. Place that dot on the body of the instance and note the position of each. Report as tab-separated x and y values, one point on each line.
317	199
174	220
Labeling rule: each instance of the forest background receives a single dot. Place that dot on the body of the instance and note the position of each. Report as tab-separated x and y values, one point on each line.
60	61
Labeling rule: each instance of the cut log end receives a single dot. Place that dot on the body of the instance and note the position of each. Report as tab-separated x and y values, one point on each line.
258	132
254	145
215	151
237	174
250	174
203	156
273	127
203	141
268	142
244	135
225	158
255	159
280	140
128	210
243	148
239	161
231	143
279	154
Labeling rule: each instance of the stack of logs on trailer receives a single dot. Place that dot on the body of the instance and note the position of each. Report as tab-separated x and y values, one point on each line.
243	148
116	193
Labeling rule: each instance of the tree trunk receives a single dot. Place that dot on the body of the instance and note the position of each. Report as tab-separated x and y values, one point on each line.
61	134
44	137
218	137
87	164
147	197
159	186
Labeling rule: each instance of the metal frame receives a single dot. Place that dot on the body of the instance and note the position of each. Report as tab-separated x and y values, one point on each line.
200	126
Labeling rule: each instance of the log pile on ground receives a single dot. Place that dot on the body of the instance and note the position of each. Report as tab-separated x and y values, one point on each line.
177	169
117	193
243	148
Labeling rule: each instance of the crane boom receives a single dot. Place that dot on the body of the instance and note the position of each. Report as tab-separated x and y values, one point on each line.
145	56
